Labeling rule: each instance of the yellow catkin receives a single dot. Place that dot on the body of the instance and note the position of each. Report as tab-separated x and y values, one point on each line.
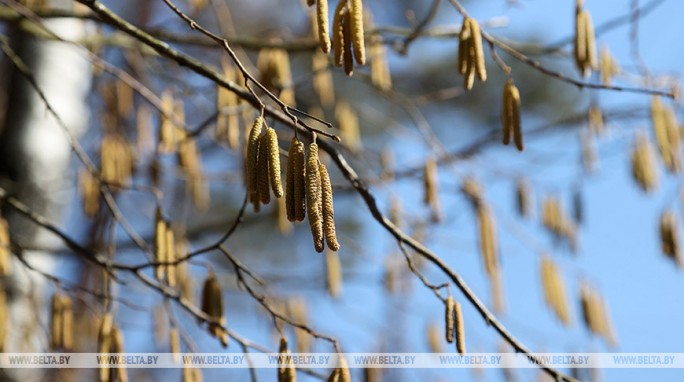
464	47
459	329
478	51
608	66
357	33
348	122
124	99
345	374
197	5
314	197
170	257
252	155
510	115
333	268
120	374
104	340
4	318
212	305
348	42
585	42
89	187
431	189
434	340
286	371
554	290
263	190
56	325
322	79
523	196
227	121
379	67
296	187
322	17
328	209
174	344
273	152
449	318
673	138
160	244
595	118
669	237
167	126
338	33
116	160
488	239
5	252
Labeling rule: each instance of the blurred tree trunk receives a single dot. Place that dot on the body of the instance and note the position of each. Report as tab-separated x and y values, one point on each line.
34	164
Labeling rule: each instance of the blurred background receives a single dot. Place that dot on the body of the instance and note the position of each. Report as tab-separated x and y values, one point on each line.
381	306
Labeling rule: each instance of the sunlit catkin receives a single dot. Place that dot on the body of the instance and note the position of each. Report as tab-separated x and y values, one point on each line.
510	115
459	328
643	160
174	344
348	122
431	188
379	66
89	187
488	238
273	152
116	160
348	52
314	204
104	341
120	373
322	79
471	59
585	41
338	33
252	155
357	33
170	257
212	305
595	118
669	237
328	209
263	177
62	322
322	17
286	371
227	102
160	244
5	252
295	182
333	268
608	66
449	317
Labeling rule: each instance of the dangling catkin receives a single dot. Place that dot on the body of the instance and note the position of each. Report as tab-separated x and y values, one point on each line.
449	319
314	195
669	237
464	47
322	79
522	193
338	33
333	269
431	188
263	177
459	329
478	52
273	152
348	121
322	17
5	253
160	243
585	41
380	73
348	53
488	239
174	344
170	256
296	178
56	326
286	371
252	154
357	34
511	115
328	210
212	305
104	340
119	374
608	66
227	121
89	187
